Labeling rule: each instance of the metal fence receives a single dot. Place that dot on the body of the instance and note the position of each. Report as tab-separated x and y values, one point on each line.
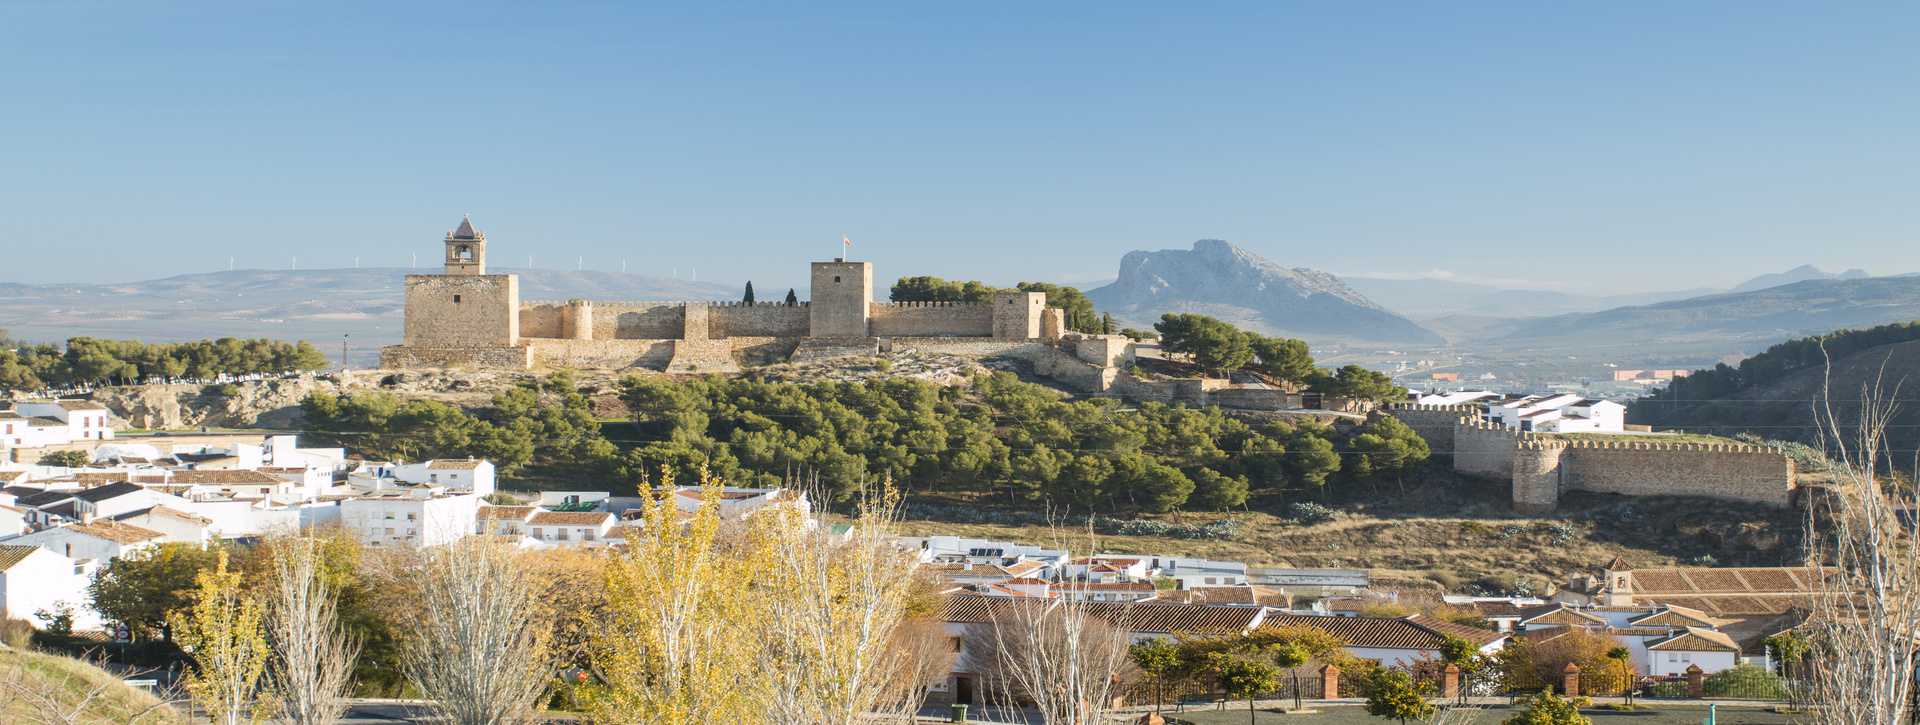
1202	692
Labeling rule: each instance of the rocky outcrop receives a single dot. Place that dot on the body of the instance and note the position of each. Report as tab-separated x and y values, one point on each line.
258	404
1224	281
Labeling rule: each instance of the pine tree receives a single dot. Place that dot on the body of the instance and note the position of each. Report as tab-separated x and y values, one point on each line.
749	298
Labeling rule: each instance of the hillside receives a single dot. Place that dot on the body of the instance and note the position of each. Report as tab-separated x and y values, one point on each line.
1784	407
48	688
1715	323
318	305
1219	279
1425	299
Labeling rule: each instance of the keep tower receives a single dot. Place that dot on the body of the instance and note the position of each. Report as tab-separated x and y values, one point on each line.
466	249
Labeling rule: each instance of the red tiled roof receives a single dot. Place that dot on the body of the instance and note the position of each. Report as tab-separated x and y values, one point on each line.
1415	632
571	518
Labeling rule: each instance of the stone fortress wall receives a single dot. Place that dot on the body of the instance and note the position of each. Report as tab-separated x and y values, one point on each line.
467	317
1543	468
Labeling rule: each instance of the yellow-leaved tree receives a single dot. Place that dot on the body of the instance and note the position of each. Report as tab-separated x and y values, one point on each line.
679	643
830	606
223	632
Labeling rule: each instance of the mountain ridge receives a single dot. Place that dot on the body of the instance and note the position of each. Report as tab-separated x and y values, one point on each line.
1222	280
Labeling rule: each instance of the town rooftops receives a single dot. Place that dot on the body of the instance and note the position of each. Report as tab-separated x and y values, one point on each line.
11	555
1565	615
466	465
576	518
502	513
111	490
1619	564
1725	592
1413	632
79	405
1696	639
114	531
172	513
1675	617
43	498
238	476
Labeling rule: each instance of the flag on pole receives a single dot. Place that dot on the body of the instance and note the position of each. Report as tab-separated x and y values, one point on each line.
846	242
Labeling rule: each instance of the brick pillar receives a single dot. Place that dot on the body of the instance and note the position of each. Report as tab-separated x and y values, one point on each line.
1450	681
1696	682
1571	680
1329	682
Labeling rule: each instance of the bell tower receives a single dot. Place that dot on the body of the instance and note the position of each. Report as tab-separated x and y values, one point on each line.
466	250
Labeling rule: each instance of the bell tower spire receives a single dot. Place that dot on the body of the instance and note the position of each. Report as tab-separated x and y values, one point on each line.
466	249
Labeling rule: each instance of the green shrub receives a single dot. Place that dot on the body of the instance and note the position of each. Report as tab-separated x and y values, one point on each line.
1747	682
883	365
224	389
1474	528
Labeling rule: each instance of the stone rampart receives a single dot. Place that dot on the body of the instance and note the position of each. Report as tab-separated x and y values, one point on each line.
393	357
815	349
759	320
1484	449
602	353
965	319
1434	423
702	356
538	321
1639	468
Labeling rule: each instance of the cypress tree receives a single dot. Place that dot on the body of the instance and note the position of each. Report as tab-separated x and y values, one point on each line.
749	298
793	300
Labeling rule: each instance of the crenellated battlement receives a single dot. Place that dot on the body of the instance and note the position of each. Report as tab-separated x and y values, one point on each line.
1463	409
929	304
622	304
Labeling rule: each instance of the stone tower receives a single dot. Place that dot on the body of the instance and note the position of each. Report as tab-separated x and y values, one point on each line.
1617	590
466	307
466	250
842	301
1017	314
1536	475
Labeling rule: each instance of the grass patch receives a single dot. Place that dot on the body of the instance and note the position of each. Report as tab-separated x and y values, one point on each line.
38	683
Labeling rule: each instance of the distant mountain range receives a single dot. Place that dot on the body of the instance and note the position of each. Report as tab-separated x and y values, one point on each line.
1221	280
1425	298
318	305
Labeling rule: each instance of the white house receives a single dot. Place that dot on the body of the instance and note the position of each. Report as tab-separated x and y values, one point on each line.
505	520
575	528
35	423
410	519
463	476
13	522
1405	641
100	539
114	499
33	579
174	525
1560	413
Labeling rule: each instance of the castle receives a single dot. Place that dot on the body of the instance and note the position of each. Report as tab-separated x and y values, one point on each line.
468	317
1542	468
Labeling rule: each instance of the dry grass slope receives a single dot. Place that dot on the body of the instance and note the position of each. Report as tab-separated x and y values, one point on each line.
44	688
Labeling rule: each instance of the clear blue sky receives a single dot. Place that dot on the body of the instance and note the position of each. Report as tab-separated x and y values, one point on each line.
1591	146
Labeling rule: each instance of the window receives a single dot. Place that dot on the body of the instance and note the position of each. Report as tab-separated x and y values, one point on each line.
409	517
836	280
1686	656
389	530
954	644
586	534
539	533
456	299
560	534
1210	580
433	478
389	516
266	490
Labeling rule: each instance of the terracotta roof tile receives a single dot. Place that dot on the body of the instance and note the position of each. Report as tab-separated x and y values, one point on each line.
501	513
454	465
239	476
11	555
575	518
114	531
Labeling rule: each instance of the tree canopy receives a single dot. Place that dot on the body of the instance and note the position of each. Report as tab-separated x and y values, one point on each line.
89	360
142	588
